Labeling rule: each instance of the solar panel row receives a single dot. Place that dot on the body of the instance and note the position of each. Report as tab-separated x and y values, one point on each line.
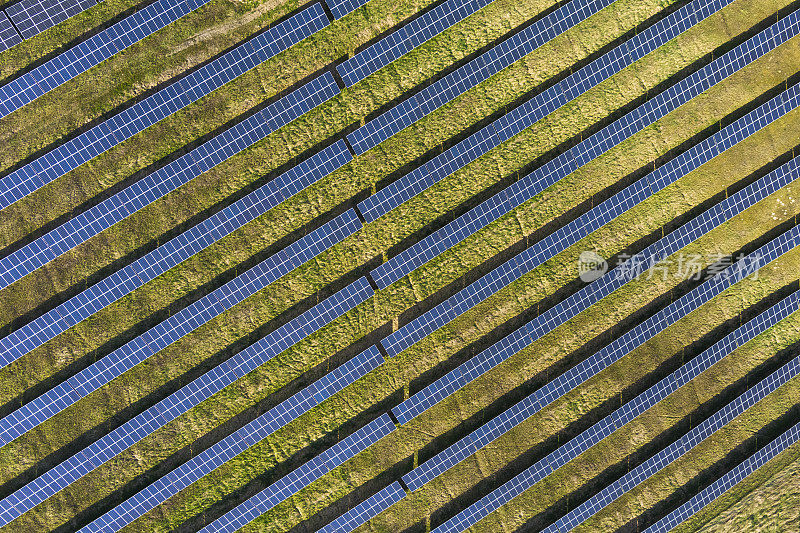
580	373
661	390
8	34
479	69
543	177
171	253
165	180
182	400
235	443
582	226
406	38
31	17
591	436
727	481
91	52
340	8
366	510
147	112
302	477
522	117
176	326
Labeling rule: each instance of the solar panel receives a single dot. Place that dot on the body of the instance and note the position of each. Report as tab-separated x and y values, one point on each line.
366	510
579	228
34	16
545	176
594	434
156	107
8	34
237	442
464	78
164	180
727	481
343	7
171	253
182	400
302	476
468	445
463	374
413	183
176	326
573	377
406	38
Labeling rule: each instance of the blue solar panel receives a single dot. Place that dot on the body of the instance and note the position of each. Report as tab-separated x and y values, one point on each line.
471	74
577	229
594	434
160	105
366	510
727	481
302	477
173	328
406	38
563	165
184	399
8	35
444	90
431	172
173	252
343	7
463	374
234	444
34	16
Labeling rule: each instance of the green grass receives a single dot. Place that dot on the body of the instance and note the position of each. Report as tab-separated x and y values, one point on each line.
223	255
168	52
703	388
337	40
540	356
268	228
178	358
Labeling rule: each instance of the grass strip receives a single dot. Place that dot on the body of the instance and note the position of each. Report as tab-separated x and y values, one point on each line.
300	209
547	422
185	43
225	104
54	39
132	382
200	118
